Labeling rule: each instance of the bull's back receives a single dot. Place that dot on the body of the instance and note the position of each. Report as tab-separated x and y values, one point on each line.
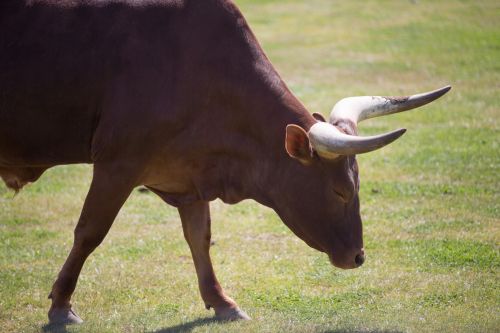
57	66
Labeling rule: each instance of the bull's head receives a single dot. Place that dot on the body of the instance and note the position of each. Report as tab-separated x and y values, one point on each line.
327	215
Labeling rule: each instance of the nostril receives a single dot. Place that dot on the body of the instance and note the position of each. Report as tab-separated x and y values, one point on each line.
360	259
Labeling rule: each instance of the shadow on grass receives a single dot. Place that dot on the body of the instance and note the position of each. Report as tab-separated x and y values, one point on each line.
54	328
187	327
359	331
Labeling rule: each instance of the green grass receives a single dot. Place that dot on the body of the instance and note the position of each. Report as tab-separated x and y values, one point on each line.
430	201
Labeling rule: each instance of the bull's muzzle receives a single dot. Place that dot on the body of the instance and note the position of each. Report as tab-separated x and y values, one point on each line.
348	260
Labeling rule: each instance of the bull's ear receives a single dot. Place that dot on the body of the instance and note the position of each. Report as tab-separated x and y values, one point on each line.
319	117
297	144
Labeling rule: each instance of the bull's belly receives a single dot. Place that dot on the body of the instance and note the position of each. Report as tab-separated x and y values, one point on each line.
180	180
171	180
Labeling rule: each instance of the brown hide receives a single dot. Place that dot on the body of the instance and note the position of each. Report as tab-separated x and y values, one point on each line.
180	88
176	95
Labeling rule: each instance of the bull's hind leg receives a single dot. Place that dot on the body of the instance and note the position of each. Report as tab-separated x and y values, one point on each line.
110	187
196	226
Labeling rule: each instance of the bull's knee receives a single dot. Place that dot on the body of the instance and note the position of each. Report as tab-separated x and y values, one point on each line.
87	240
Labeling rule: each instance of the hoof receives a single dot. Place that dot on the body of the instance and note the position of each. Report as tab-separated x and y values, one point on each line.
232	314
64	317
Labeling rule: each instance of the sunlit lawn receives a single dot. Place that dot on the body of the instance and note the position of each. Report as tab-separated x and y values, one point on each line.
430	201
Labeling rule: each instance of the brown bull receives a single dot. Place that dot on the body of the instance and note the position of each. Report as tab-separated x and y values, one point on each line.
176	95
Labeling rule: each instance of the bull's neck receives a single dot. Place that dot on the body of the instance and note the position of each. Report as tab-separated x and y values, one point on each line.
270	107
246	101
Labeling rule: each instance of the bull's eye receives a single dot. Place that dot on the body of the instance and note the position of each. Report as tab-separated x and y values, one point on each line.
341	196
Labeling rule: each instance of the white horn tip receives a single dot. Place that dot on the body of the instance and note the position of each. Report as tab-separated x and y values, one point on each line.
441	91
400	132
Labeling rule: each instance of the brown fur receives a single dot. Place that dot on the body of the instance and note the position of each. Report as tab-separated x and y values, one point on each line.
17	178
174	95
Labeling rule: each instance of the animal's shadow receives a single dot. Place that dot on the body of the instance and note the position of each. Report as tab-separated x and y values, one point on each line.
185	327
358	331
54	328
189	326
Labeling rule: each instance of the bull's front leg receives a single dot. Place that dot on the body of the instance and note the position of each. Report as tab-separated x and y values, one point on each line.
110	188
196	226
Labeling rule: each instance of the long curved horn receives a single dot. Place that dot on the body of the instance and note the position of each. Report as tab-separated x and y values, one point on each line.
360	108
329	142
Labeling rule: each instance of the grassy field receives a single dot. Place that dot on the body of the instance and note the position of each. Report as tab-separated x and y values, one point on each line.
430	201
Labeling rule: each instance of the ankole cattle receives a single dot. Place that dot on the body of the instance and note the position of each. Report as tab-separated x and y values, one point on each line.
178	96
